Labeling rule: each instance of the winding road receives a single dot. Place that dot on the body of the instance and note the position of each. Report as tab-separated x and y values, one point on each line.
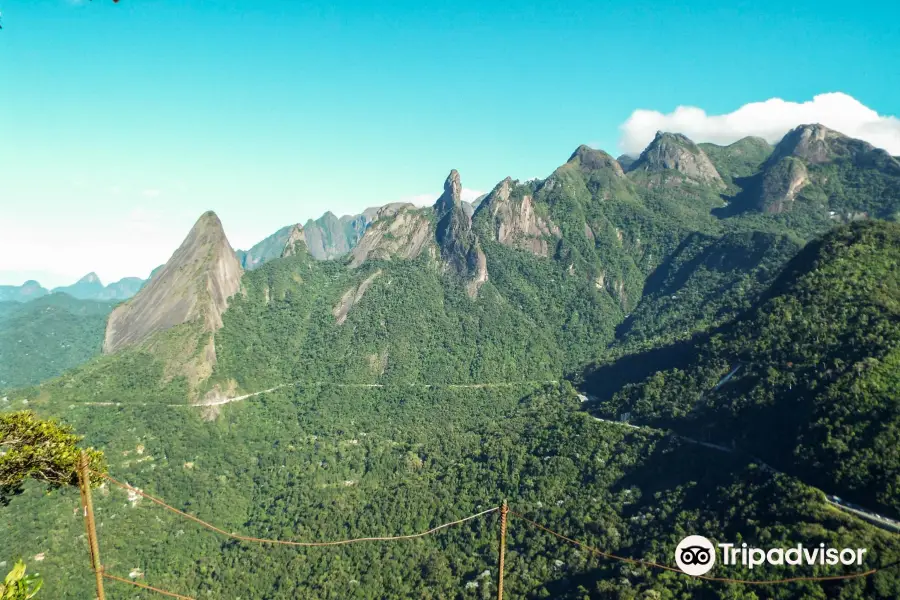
870	516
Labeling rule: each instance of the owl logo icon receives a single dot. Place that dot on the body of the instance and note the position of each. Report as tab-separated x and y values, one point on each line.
695	555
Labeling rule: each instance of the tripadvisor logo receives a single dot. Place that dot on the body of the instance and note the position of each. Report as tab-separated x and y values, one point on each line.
696	555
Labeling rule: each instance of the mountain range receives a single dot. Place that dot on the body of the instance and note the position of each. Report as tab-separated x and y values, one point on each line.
88	287
386	372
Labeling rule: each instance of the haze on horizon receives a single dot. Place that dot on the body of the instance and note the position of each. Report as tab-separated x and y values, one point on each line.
124	122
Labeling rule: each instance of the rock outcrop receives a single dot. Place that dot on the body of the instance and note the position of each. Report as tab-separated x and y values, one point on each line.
460	248
780	184
398	230
295	236
514	221
352	297
589	159
675	152
192	287
816	144
812	143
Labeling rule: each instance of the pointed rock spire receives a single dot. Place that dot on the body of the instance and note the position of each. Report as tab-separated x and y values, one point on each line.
452	195
193	286
458	243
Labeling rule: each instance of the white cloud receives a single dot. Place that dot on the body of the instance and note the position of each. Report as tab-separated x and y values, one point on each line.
770	120
150	193
467	195
128	243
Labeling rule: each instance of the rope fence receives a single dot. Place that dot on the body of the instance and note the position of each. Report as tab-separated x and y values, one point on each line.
247	538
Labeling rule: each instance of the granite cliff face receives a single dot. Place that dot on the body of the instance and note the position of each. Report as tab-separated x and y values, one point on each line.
192	287
332	237
673	152
327	237
510	208
812	143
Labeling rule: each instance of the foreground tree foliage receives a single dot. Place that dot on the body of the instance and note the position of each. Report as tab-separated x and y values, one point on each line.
19	586
44	450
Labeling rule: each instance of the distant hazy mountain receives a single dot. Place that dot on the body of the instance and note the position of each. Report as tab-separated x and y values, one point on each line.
90	287
22	293
327	237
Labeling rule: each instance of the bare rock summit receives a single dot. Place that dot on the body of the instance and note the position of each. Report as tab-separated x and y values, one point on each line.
675	152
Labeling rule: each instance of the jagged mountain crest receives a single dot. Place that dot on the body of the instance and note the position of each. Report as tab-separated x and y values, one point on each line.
192	287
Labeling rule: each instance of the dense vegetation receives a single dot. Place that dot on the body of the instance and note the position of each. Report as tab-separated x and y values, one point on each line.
44	337
815	371
531	321
324	462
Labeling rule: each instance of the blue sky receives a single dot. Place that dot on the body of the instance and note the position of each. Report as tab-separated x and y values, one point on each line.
121	123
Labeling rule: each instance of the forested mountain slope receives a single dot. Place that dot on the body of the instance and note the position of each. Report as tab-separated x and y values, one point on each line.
814	371
43	338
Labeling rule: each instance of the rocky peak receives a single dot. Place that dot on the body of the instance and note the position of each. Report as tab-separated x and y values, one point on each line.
295	236
626	161
90	278
674	151
193	286
817	144
590	159
812	143
452	196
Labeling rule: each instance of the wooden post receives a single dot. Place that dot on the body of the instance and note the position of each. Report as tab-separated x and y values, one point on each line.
503	510
84	482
